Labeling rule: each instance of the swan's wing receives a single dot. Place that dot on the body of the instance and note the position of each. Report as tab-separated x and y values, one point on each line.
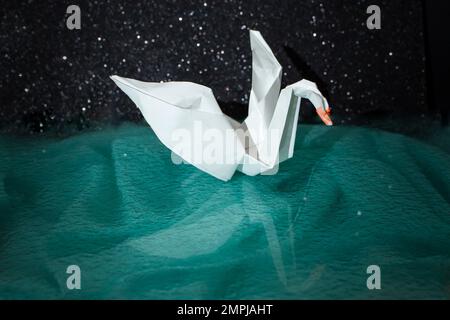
266	78
266	82
187	119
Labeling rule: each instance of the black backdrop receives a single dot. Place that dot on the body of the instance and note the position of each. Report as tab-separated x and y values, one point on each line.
54	78
438	56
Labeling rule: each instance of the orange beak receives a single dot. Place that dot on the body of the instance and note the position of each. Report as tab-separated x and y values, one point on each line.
325	115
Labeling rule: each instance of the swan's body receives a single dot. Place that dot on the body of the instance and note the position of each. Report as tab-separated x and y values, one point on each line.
188	120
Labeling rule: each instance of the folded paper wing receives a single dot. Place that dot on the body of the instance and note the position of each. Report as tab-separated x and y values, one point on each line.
188	120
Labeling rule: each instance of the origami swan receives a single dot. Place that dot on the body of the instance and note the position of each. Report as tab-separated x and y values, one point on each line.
188	120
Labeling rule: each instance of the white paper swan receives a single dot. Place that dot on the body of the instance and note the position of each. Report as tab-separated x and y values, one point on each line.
188	120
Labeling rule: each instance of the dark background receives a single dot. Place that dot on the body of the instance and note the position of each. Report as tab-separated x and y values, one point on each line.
54	78
436	15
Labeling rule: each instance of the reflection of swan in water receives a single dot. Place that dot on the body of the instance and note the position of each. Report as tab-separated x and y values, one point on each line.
202	232
262	214
255	146
213	224
273	241
198	234
285	263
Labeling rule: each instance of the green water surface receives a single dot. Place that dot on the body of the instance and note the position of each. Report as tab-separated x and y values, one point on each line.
140	227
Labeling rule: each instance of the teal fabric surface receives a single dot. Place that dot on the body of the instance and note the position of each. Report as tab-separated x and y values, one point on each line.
141	227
